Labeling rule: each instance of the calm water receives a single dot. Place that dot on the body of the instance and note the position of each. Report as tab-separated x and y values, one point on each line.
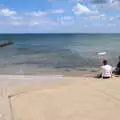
37	53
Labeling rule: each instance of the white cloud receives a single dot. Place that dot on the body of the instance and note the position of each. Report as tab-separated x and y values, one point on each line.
104	1
57	11
32	22
66	20
114	18
37	13
42	22
80	9
111	24
29	19
97	25
41	18
106	4
7	12
114	5
100	1
44	13
97	17
16	17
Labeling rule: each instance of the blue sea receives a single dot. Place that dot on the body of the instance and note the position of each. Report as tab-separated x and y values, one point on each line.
51	53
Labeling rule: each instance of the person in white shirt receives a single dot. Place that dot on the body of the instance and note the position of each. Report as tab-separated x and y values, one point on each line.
106	70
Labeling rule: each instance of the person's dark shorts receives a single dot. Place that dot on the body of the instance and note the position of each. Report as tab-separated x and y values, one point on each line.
106	77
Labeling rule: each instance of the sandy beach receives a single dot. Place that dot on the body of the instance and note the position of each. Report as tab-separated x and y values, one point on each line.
58	97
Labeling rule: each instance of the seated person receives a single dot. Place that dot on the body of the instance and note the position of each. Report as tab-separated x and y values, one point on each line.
106	70
117	69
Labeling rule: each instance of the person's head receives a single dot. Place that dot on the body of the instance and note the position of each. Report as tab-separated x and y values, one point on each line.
105	62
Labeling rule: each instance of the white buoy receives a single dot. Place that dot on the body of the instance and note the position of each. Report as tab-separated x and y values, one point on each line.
101	53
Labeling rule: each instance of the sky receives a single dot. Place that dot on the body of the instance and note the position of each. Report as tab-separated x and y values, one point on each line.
59	16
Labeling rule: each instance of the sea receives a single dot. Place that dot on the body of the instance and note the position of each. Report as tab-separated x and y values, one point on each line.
34	54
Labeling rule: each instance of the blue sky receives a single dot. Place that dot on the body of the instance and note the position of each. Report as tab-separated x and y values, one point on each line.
60	16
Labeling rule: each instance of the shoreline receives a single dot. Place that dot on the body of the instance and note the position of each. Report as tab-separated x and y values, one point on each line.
42	72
